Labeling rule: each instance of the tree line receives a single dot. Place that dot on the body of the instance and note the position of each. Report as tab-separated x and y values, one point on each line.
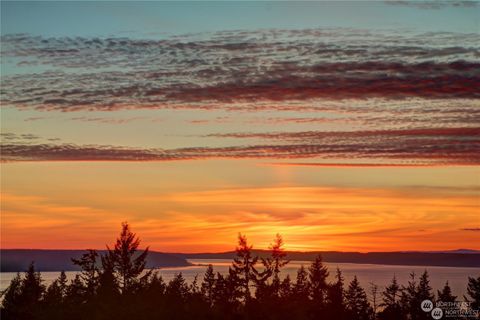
116	285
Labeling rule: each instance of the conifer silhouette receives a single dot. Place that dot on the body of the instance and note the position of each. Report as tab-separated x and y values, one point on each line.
392	309
126	264
243	266
473	292
358	307
116	285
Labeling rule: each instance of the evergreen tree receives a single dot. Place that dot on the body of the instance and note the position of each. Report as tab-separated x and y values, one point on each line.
336	298
62	283
264	292
374	296
32	287
391	302
89	273
156	286
301	289
299	301
108	288
220	291
11	299
358	306
391	294
194	287
424	292
75	301
106	303
446	297
196	306
318	274
177	298
276	261
151	299
233	287
409	301
127	265
473	291
244	266
24	299
226	294
56	291
54	299
267	292
424	289
53	296
208	285
177	288
286	288
75	291
446	294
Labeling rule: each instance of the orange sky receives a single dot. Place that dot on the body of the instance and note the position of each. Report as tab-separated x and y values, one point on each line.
81	205
342	126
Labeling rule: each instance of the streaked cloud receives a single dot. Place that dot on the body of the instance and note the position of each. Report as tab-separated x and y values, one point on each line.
213	69
471	229
441	146
308	217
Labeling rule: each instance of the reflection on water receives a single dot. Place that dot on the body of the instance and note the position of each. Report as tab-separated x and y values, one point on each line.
366	273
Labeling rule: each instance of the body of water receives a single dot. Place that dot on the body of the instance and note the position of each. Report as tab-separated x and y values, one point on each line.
366	273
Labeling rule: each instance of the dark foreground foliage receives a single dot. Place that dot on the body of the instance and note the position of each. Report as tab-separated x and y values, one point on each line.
117	286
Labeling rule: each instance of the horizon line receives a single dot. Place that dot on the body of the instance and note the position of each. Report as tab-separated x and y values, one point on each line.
286	250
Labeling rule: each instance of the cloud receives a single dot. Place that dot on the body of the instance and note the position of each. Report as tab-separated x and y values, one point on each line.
317	135
73	92
214	70
25	215
71	152
471	229
210	121
27	138
112	120
435	4
10	138
421	89
354	165
446	146
387	119
35	118
322	217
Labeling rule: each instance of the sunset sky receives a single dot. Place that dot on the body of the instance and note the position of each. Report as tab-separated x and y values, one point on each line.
351	126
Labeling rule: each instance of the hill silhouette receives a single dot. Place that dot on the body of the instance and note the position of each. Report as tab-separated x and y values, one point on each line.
16	260
443	259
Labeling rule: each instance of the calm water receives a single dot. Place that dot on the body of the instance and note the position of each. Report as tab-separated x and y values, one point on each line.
366	273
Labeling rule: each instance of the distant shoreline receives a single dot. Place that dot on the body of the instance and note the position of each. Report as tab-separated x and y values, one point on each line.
433	259
17	260
356	263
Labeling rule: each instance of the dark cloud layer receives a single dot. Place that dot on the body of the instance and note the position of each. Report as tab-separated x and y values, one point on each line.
420	90
439	146
112	91
211	70
435	133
